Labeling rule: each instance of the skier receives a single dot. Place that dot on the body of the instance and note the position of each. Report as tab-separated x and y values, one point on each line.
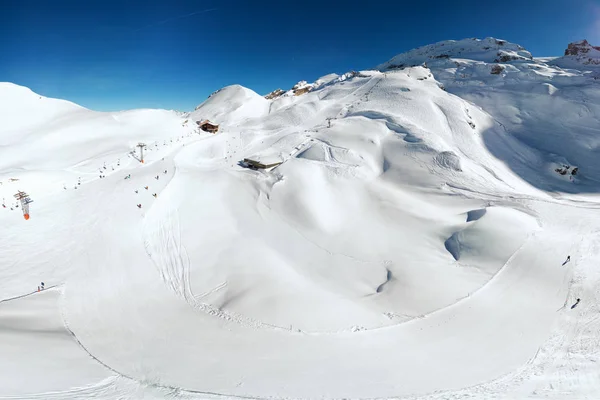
568	258
165	171
154	194
139	206
576	303
146	187
156	177
43	286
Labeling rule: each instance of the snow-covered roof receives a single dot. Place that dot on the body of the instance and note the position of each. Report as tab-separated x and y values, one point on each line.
266	159
206	121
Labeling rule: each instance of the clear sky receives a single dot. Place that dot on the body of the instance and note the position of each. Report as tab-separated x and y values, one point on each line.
122	54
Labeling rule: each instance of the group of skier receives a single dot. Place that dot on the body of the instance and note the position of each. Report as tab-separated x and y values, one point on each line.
155	195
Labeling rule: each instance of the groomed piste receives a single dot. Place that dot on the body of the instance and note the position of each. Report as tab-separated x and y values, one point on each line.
419	230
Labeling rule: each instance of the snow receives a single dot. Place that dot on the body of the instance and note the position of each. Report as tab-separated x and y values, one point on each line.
412	243
488	50
231	104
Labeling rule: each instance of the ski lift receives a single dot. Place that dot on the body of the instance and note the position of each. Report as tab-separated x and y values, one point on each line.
25	201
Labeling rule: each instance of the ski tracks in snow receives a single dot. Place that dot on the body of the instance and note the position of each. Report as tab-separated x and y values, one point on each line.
164	248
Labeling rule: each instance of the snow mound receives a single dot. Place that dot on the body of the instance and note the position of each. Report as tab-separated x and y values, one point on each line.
326	79
489	50
496	232
232	104
448	159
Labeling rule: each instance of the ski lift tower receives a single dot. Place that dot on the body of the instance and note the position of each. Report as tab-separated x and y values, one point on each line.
25	201
142	146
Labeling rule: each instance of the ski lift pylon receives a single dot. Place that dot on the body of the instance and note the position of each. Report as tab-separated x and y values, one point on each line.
25	201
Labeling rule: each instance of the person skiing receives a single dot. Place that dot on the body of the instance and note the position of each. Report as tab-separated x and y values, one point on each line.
154	194
139	206
576	303
146	187
43	286
568	258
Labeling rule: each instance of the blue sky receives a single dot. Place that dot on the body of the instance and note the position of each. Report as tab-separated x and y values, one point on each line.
113	55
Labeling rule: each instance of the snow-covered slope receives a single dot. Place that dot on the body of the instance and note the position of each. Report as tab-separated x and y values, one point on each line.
22	109
488	50
232	104
524	97
412	243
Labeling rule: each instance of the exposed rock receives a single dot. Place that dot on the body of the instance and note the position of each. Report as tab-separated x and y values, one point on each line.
298	92
275	94
580	55
497	69
301	88
581	47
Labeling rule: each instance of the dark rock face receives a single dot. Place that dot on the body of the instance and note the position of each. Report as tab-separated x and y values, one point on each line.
581	47
497	69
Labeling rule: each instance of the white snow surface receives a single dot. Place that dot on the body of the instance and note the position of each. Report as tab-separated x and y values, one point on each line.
412	245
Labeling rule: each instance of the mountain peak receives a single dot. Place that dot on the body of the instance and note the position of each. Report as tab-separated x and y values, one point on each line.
579	48
490	50
579	54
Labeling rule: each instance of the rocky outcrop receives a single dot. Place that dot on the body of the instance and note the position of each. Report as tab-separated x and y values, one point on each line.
302	87
275	94
497	69
580	54
578	48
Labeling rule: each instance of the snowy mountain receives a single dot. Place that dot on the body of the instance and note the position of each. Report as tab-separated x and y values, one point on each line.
579	55
488	50
407	238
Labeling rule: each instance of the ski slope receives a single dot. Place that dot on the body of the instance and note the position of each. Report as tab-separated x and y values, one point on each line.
412	244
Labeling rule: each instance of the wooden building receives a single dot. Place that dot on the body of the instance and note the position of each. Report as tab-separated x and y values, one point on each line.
208	126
